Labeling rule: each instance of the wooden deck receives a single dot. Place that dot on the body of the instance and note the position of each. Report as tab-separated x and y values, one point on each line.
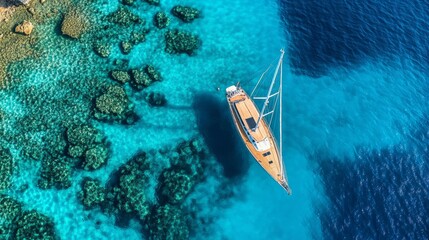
242	107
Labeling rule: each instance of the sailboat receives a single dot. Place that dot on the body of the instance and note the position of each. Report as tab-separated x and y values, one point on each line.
254	127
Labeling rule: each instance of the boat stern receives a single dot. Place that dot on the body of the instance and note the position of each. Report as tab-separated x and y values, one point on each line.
231	89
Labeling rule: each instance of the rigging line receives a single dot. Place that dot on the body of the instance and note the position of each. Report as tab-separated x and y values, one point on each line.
281	128
257	84
272	115
270	89
257	72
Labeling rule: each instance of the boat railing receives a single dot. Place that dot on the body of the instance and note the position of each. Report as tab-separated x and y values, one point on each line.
234	93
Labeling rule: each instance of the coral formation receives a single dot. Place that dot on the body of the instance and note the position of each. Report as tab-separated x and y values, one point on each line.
15	224
156	99
113	105
34	225
54	126
83	135
84	143
120	76
124	17
138	36
176	184
92	194
6	168
141	78
154	74
87	144
95	157
135	38
185	172
25	28
74	24
9	209
161	20
55	172
103	49
128	194
167	222
126	46
185	13
177	41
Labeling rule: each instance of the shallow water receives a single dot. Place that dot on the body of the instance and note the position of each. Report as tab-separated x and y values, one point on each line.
355	131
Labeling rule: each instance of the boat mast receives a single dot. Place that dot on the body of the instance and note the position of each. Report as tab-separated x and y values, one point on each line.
267	98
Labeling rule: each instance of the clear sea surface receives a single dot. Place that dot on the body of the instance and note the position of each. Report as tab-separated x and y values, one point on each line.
355	119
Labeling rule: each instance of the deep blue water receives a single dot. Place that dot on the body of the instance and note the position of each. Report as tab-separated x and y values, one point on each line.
326	34
375	192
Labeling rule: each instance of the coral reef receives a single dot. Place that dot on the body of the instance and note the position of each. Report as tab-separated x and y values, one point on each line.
156	99
103	49
95	157
34	225
126	46
25	28
124	17
177	42
53	116
176	184
185	13
114	105
161	20
92	194
74	24
6	168
186	171
127	196
135	38
154	74
16	224
144	77
87	144
167	222
83	135
120	76
55	172
138	36
9	209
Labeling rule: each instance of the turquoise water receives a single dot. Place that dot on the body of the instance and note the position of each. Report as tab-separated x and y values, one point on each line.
374	104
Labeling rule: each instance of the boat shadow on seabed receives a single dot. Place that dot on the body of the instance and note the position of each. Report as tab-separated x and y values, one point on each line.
216	127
